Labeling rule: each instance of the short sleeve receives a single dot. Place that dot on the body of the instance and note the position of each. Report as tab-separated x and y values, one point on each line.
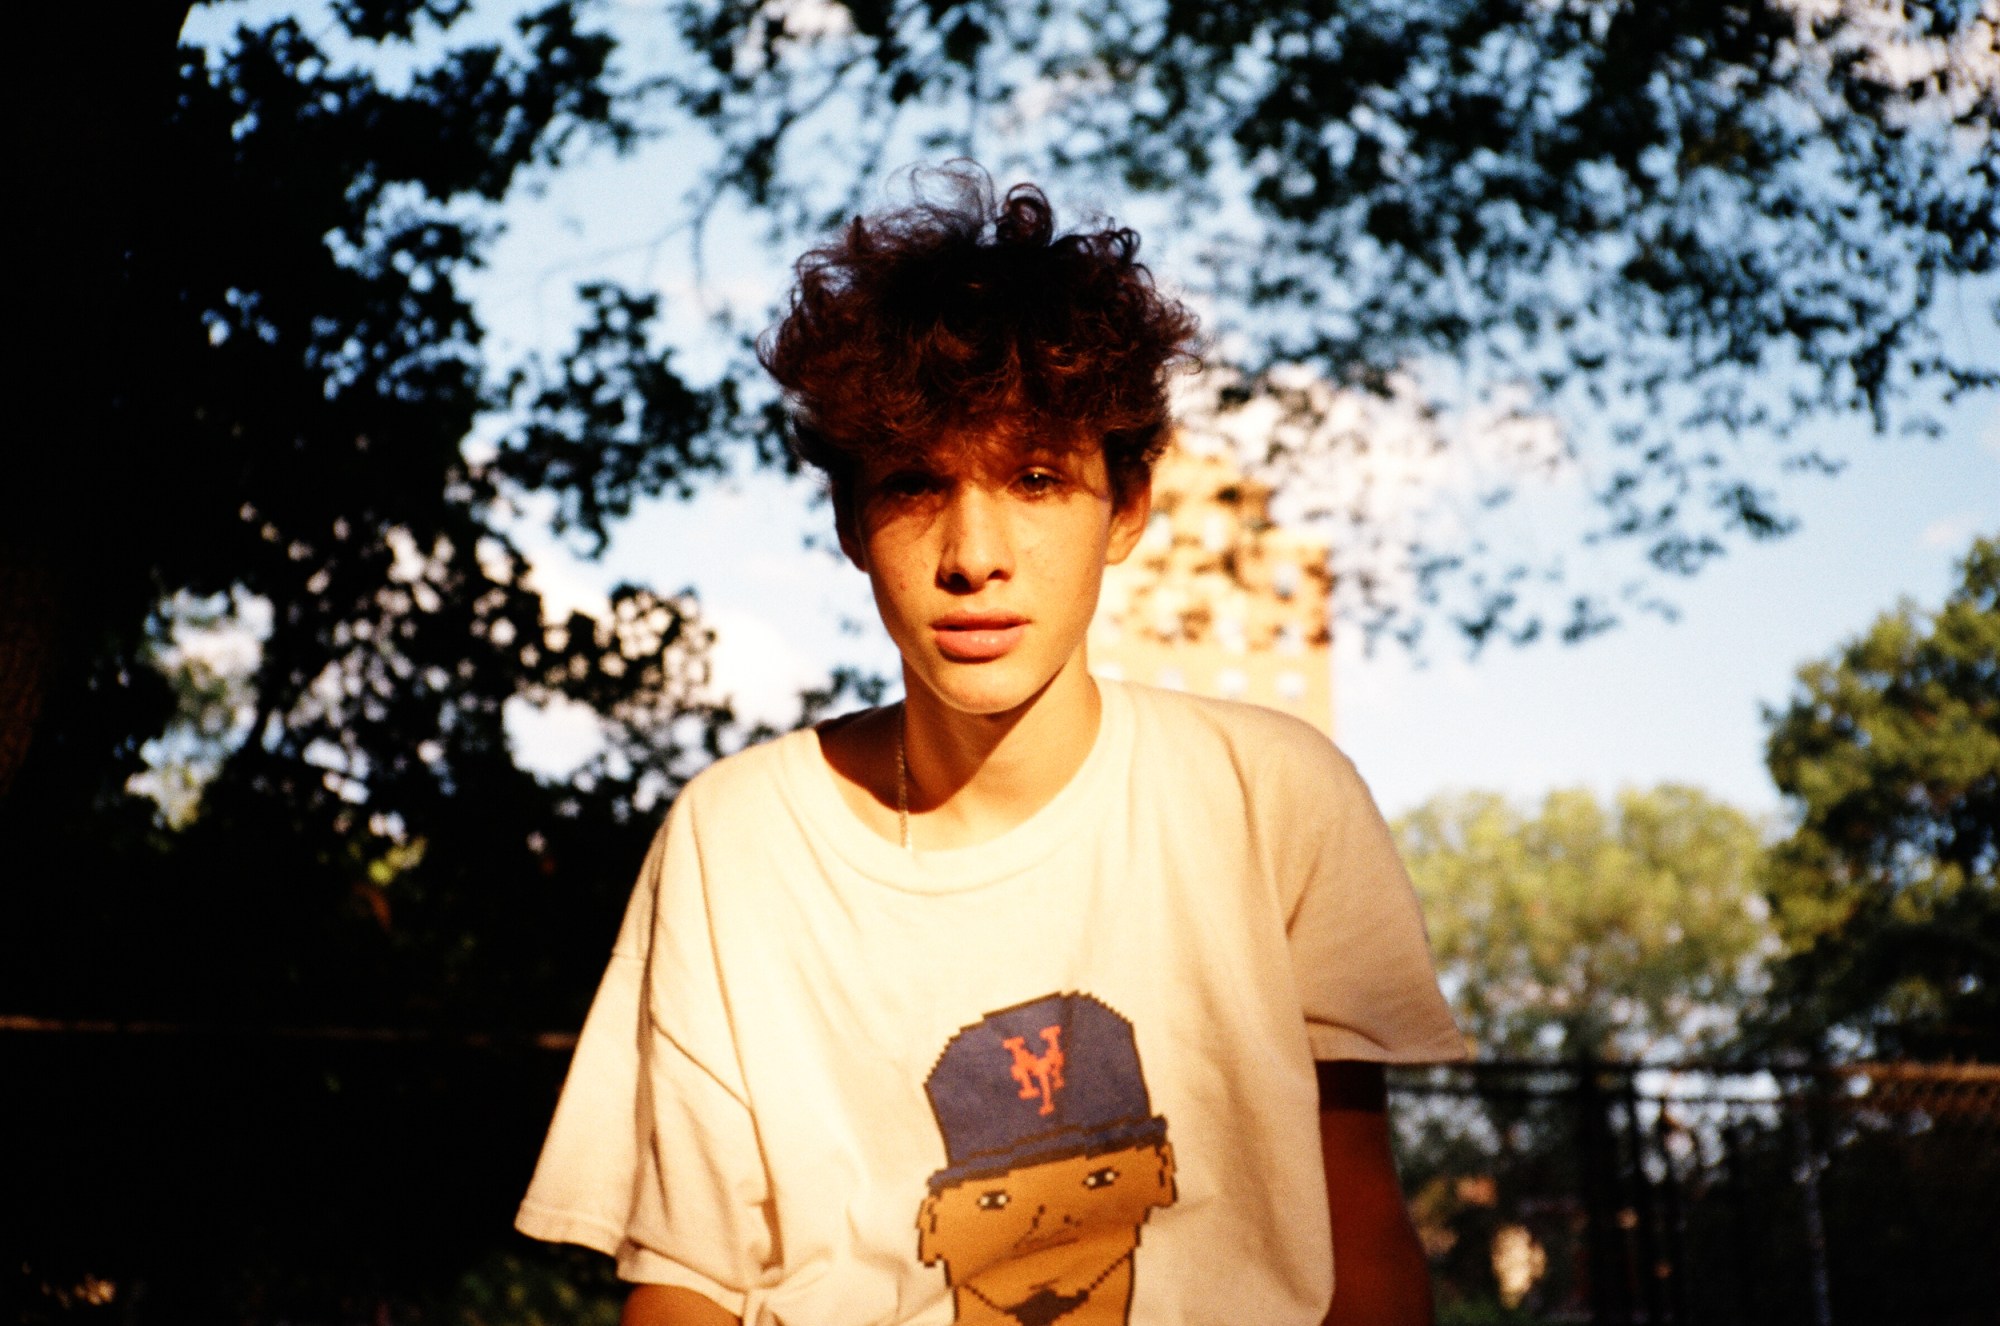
652	1156
1359	952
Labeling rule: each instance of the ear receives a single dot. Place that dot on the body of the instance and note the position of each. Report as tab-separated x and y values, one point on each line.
1168	1192
927	1230
1128	521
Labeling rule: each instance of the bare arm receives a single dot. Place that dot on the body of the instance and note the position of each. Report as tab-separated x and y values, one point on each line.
1380	1275
671	1305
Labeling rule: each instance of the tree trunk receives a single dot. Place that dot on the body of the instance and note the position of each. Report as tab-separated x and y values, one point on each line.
28	629
97	96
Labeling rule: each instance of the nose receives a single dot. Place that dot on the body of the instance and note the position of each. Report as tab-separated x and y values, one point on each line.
977	544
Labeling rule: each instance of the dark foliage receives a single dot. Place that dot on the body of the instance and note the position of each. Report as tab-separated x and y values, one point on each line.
1694	231
248	375
1888	891
1699	1196
257	374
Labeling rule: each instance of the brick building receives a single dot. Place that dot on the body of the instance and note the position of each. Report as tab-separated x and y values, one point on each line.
1216	599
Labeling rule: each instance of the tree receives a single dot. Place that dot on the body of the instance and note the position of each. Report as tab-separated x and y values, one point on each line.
1613	932
1887	893
256	373
256	376
1680	228
249	378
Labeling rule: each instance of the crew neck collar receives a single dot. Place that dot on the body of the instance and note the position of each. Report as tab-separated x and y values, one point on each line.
809	784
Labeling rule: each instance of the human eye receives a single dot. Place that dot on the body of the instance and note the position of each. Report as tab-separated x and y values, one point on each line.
906	483
1041	481
992	1200
1101	1178
906	489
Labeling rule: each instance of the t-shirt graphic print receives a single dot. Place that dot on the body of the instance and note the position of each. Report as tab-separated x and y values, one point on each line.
801	1023
1054	1161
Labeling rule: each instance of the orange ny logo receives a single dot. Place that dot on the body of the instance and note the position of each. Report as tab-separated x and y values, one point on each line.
1038	1074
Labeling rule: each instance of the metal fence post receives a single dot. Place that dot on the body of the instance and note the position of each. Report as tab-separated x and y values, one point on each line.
1673	1216
1610	1283
1644	1208
1810	1164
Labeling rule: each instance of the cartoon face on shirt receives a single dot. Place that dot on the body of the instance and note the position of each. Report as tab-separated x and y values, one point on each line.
1047	1242
1055	1162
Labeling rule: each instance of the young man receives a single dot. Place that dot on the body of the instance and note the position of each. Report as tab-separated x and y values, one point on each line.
905	1008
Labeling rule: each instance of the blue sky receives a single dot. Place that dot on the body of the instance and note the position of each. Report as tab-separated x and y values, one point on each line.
1648	702
1651	701
1654	701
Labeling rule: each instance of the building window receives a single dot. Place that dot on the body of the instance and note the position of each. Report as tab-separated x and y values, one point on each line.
1291	687
1230	683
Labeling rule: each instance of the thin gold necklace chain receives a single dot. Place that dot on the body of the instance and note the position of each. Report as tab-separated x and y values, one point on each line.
903	780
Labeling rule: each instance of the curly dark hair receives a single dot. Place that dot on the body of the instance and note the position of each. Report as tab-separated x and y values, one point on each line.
972	317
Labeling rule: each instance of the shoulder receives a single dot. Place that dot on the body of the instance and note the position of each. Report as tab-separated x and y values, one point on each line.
720	813
1263	745
751	779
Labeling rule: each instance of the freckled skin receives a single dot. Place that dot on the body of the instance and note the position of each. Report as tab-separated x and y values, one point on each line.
1000	527
1061	1228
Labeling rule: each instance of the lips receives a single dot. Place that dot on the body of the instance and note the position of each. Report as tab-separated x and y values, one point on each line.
1062	1238
977	637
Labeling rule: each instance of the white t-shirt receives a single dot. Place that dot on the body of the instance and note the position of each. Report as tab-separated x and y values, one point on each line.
809	1040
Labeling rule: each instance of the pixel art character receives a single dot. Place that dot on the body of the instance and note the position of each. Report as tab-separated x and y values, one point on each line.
1054	1161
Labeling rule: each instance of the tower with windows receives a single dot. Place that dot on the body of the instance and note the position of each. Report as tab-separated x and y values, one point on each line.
1217	599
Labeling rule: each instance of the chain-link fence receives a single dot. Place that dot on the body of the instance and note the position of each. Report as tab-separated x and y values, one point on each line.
174	1174
1706	1193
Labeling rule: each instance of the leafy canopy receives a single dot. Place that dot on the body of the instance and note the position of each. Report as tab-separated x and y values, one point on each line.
260	374
1680	227
1625	931
257	370
1888	892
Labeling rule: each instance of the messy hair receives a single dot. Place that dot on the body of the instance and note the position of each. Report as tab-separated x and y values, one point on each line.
965	316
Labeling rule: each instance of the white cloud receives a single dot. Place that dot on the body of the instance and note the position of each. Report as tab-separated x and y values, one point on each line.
1375	475
1952	532
553	739
565	587
756	667
1948	77
230	644
1366	458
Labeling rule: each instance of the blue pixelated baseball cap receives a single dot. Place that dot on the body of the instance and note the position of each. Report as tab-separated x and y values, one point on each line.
1057	1076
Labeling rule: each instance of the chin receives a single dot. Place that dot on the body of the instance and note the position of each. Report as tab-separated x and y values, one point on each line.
996	687
984	701
1060	1267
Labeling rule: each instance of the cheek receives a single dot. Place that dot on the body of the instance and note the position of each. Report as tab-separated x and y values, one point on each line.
890	579
970	1238
1133	1204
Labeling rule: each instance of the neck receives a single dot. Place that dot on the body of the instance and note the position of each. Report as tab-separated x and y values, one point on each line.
972	777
